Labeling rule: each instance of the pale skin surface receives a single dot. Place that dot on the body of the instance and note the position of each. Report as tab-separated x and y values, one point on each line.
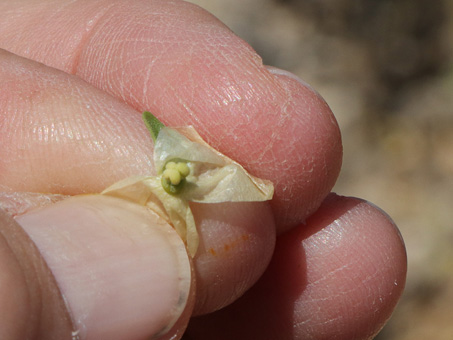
71	124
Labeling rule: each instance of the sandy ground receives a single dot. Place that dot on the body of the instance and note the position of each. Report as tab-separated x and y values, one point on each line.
386	69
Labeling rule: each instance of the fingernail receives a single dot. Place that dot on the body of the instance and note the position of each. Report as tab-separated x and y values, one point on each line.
123	272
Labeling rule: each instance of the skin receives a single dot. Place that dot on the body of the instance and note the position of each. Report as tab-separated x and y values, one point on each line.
75	77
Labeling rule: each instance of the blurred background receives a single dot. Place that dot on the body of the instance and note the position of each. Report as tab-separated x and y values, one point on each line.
386	69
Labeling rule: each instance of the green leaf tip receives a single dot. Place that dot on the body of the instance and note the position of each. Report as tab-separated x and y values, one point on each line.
152	124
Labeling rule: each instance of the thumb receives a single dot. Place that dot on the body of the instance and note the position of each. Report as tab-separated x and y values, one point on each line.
121	270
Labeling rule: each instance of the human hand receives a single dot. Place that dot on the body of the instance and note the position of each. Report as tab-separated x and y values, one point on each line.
123	273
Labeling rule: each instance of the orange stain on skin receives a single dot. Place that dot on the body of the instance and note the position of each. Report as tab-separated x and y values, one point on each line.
228	246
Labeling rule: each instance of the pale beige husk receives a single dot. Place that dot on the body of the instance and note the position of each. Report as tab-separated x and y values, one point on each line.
213	178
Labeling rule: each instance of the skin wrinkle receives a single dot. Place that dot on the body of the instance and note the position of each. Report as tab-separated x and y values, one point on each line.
55	18
191	77
91	25
223	92
181	100
188	100
374	292
283	120
327	277
268	147
122	90
147	80
300	160
70	45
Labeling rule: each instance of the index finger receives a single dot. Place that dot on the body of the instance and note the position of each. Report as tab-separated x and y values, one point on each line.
182	64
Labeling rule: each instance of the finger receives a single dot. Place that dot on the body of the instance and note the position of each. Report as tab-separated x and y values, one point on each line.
59	135
32	305
68	138
237	243
123	271
178	61
337	277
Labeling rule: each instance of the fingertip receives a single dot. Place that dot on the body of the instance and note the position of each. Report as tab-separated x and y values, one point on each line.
355	269
122	270
338	276
237	242
310	156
